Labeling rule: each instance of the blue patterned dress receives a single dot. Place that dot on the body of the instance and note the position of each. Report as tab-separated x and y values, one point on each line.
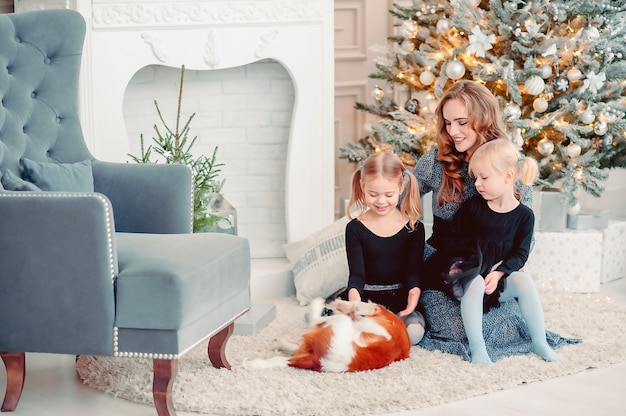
505	331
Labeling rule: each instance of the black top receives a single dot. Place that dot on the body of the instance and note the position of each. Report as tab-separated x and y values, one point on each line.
500	236
376	260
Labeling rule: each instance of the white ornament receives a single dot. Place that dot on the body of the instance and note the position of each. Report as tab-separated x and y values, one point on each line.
442	26
545	147
512	112
540	105
407	45
546	71
593	82
534	85
574	74
480	42
587	117
591	33
573	150
473	3
427	78
455	69
600	128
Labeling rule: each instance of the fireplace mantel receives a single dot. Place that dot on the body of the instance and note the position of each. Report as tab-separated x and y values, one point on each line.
125	36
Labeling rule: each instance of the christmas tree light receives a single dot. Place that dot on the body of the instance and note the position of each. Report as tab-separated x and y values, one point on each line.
557	68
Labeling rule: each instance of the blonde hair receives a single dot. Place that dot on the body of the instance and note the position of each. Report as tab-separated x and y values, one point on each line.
389	166
483	116
501	155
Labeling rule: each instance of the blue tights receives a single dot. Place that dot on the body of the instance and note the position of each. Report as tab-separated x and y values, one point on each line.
518	285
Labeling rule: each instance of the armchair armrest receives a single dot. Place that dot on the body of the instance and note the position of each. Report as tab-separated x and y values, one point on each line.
57	252
147	198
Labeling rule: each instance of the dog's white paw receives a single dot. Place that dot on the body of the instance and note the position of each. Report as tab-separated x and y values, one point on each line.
364	309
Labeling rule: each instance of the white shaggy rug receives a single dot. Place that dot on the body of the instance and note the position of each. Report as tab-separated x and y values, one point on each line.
425	379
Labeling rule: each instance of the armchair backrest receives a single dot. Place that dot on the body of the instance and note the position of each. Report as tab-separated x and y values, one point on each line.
39	72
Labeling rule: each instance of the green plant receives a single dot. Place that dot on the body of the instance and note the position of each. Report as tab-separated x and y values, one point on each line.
173	146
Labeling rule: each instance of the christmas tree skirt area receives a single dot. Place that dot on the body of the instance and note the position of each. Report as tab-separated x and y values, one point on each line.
425	379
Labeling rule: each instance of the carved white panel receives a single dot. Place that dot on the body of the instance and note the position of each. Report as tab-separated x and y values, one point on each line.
350	30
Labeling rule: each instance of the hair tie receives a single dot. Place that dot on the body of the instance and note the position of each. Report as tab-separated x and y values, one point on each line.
520	158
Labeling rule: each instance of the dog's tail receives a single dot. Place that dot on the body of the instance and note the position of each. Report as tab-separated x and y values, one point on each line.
261	364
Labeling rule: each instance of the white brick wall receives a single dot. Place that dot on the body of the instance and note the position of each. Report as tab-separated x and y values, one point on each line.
246	112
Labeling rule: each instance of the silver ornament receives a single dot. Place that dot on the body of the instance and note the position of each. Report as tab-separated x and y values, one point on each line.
378	93
545	147
600	128
607	141
411	105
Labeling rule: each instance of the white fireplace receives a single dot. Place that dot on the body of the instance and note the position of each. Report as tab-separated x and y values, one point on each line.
124	36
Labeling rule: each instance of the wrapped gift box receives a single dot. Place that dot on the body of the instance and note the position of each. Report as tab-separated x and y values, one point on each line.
570	260
614	251
550	212
588	220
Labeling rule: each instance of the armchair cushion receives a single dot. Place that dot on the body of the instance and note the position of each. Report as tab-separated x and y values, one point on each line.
10	182
168	282
67	177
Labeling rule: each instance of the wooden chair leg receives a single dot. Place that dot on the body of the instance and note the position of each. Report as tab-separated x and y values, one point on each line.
15	364
163	379
217	347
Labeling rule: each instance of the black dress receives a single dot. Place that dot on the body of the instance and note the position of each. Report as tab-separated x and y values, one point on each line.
480	238
384	269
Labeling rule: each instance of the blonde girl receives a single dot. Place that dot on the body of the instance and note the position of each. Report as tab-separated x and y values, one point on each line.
384	243
500	228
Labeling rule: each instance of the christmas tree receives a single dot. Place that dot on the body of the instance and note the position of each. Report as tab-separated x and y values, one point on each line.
556	66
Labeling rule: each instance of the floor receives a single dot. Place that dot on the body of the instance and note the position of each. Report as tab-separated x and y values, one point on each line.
52	388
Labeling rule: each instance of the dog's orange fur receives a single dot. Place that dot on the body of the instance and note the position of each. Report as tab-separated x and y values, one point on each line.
369	350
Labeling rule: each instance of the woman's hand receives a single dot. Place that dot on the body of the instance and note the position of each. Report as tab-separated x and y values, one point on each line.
491	281
354	296
412	299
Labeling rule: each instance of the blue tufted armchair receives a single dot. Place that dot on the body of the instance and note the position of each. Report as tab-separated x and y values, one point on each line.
97	258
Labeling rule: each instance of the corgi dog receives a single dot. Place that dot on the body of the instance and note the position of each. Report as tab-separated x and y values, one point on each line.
344	337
